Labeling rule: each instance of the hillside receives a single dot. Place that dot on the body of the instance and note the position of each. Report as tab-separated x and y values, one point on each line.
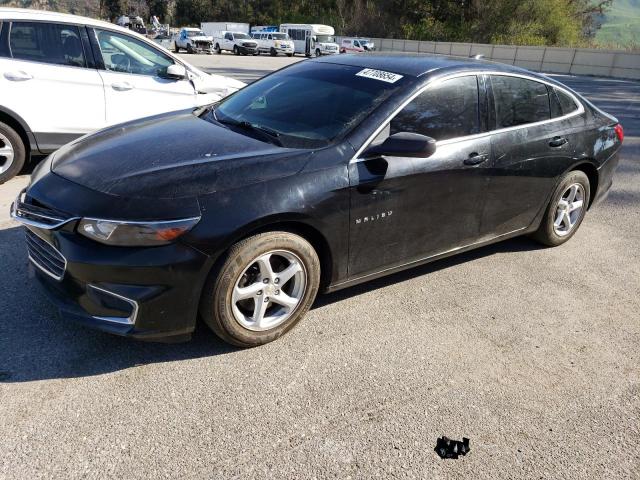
89	8
621	25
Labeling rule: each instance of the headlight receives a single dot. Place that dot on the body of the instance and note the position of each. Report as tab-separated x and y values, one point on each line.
138	234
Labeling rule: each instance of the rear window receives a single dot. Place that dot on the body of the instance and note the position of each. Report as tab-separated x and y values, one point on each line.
519	101
53	43
4	40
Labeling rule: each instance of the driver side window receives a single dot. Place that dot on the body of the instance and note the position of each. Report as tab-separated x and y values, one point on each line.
125	54
444	111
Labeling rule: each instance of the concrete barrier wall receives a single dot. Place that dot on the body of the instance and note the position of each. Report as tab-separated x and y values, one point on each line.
578	61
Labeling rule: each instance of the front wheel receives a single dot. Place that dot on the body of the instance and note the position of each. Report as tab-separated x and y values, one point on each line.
13	153
273	52
217	49
236	50
266	285
566	210
318	54
289	54
189	48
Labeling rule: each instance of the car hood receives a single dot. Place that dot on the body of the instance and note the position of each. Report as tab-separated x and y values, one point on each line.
170	156
217	84
202	38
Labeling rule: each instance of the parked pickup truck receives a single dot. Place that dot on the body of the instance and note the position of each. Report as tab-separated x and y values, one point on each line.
193	40
236	42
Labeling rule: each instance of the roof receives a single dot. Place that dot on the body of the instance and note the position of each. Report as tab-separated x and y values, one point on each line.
416	64
30	14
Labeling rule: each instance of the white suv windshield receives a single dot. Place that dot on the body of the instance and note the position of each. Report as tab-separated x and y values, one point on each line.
241	35
280	36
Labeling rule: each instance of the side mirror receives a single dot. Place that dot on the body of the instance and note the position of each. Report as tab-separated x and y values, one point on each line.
403	144
176	72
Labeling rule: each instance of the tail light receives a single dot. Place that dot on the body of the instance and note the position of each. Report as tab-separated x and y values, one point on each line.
619	132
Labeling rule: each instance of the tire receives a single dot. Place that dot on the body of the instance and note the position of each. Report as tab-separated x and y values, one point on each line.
236	50
318	54
13	153
240	270
217	49
175	48
562	217
273	52
189	48
289	54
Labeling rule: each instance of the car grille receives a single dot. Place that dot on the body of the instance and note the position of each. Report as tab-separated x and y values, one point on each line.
250	44
203	44
45	256
28	211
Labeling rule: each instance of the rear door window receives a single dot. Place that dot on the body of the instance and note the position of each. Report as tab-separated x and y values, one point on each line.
53	43
444	111
567	104
519	101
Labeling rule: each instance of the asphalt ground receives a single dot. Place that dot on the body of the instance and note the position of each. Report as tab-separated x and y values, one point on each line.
532	353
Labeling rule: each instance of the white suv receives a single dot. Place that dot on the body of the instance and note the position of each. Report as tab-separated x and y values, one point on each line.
62	76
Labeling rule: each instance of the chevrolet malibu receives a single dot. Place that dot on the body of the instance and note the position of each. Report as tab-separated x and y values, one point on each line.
325	174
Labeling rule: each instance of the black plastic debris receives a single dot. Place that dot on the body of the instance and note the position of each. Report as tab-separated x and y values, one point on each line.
447	448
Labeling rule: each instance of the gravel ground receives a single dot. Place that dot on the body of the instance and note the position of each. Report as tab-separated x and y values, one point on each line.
530	352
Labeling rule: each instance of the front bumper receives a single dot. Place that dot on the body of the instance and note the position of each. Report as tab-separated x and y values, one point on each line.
248	50
142	292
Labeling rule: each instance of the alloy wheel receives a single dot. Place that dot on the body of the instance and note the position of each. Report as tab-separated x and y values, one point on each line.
569	209
269	290
7	153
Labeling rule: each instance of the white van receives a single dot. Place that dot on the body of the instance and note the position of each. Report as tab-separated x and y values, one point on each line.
274	43
311	39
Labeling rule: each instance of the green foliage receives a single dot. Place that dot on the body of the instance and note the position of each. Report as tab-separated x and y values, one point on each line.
519	22
621	25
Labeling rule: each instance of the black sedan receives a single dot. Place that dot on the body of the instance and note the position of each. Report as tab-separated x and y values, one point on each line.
319	176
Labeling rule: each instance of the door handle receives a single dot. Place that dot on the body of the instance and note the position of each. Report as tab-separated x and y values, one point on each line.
122	86
558	142
476	158
19	76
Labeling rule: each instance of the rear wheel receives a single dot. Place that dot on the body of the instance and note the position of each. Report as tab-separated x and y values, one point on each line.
12	153
318	52
266	285
566	210
217	49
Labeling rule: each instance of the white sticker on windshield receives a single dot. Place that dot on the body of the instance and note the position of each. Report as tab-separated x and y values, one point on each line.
379	75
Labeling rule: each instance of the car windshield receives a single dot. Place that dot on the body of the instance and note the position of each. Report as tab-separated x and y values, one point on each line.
195	33
241	35
308	105
325	39
280	36
363	42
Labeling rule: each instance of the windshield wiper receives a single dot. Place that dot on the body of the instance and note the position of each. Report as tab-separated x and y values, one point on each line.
272	135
